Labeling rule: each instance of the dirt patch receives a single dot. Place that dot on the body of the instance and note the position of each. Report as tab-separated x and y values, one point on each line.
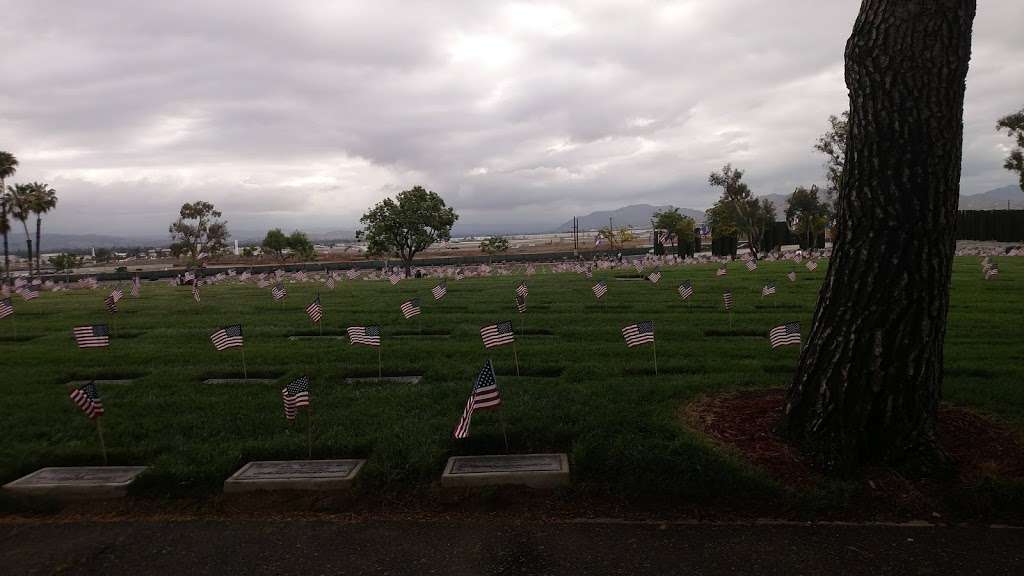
986	454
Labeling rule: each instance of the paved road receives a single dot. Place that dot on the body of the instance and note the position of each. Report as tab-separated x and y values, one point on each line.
474	548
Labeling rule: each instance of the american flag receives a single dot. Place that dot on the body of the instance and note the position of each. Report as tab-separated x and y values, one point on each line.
600	289
329	282
727	299
522	290
721	271
195	289
227	337
365	335
485	396
791	276
768	289
655	276
751	264
300	276
136	284
278	292
88	399
315	310
812	265
6	308
28	293
111	304
686	289
639	333
991	273
116	294
497	334
460	274
521	303
639	266
411	308
395	278
588	272
785	335
530	270
295	396
440	290
19	282
94	336
352	273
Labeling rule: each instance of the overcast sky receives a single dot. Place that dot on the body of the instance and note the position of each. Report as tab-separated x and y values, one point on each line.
304	113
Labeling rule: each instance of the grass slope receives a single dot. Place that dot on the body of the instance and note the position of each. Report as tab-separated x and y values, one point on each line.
581	390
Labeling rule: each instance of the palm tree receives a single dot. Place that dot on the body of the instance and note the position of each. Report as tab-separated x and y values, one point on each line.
44	200
21	209
8	166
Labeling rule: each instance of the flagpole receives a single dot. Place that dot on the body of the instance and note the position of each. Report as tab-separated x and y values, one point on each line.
245	372
515	357
380	369
504	428
654	348
309	432
103	445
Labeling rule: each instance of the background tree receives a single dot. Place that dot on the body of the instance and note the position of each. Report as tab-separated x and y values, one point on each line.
807	215
869	378
8	166
679	227
833	145
407	225
1014	124
275	242
22	200
738	206
44	199
301	246
494	245
198	231
103	254
65	261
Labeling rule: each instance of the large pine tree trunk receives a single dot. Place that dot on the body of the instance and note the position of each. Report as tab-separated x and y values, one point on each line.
869	380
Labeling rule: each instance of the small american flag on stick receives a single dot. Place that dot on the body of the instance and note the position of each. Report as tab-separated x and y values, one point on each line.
395	278
485	396
654	277
600	289
315	310
411	308
6	308
111	304
522	290
87	398
727	299
685	290
521	304
791	276
785	335
460	274
812	265
768	289
228	337
365	335
278	292
639	333
352	273
498	334
136	283
329	282
722	271
295	395
751	265
28	293
440	290
93	336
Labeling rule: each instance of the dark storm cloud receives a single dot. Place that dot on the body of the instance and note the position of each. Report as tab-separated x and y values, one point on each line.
308	112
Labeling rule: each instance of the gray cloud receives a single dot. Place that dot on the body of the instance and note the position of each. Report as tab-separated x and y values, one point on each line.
305	113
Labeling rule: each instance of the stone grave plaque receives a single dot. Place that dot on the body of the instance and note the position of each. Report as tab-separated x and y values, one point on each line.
77	482
315	337
240	381
533	470
116	382
385	379
294	475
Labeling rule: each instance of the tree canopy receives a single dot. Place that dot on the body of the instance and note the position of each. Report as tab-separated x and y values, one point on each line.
833	145
494	245
406	225
738	211
198	231
301	246
807	214
1014	125
275	242
679	226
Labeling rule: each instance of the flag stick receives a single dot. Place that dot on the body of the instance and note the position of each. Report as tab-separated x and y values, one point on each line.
103	445
309	432
504	431
515	357
245	372
380	369
654	349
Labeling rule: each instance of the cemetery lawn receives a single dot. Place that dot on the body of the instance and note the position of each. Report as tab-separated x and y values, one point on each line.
581	390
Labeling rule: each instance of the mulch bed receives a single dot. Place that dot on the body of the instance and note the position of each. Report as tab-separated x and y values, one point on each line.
746	423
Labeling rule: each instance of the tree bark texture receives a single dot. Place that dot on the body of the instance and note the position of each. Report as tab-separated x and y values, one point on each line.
869	379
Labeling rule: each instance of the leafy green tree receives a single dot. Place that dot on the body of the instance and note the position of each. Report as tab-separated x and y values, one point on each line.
494	245
407	225
1014	125
248	251
300	245
65	261
198	231
8	166
22	200
44	199
807	215
679	226
738	210
833	145
276	242
104	254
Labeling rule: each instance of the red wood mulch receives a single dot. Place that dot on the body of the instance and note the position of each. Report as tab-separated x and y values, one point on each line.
746	423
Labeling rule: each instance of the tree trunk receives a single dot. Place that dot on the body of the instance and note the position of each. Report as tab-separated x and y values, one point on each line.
869	380
39	244
28	242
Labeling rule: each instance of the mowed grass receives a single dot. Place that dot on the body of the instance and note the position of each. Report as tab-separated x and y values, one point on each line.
581	390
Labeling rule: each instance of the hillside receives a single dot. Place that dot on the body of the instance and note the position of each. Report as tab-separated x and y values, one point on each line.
636	215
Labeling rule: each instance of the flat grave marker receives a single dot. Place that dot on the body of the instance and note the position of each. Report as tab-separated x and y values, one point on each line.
533	470
382	379
77	482
294	475
113	381
315	337
240	380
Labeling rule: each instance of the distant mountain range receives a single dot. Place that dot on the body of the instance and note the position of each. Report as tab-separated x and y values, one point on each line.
635	215
994	199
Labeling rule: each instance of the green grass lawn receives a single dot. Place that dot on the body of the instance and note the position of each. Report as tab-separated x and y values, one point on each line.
581	390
